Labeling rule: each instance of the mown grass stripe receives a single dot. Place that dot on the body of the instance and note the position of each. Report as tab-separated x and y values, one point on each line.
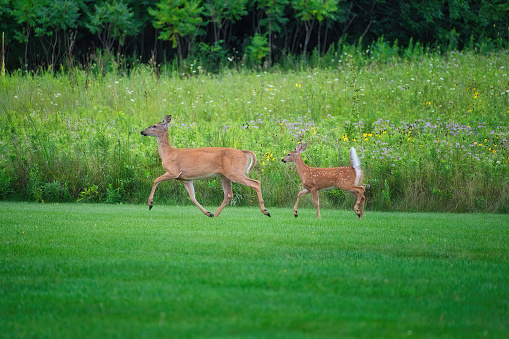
121	271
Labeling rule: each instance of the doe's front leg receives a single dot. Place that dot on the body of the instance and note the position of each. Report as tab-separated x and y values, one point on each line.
190	190
166	176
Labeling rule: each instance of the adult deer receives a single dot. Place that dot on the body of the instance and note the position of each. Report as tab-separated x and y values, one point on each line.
188	164
316	179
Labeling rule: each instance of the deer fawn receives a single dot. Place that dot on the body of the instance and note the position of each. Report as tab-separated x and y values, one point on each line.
188	164
316	179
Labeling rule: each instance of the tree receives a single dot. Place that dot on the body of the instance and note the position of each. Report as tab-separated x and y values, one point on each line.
258	49
148	32
310	11
24	13
56	18
274	9
222	14
8	25
112	21
490	22
178	19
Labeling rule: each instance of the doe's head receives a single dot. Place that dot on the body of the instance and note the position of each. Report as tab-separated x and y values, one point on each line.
156	129
293	155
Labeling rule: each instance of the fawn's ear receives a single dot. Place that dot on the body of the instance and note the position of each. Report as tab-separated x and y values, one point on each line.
167	119
301	147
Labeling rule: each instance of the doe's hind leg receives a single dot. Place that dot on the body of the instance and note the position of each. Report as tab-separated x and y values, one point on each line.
228	194
254	184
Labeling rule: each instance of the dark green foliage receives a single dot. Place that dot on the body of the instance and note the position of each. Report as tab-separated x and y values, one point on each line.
61	33
258	49
6	189
178	20
111	21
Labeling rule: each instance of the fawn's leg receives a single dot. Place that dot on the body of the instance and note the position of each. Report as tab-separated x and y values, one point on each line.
316	200
301	193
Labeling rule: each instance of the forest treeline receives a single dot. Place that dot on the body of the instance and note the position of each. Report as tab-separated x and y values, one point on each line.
51	34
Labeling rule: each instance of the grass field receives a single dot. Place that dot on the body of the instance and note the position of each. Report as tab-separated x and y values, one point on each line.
93	270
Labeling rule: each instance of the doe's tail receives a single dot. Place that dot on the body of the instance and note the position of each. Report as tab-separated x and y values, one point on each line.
356	164
252	156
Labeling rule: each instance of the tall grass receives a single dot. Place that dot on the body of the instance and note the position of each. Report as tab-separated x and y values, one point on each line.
431	129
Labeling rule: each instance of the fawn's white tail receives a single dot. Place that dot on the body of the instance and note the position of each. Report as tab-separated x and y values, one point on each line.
356	164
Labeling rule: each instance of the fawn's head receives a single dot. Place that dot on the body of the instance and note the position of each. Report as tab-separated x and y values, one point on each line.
156	129
293	155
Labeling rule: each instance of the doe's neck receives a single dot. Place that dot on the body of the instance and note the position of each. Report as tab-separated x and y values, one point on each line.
163	142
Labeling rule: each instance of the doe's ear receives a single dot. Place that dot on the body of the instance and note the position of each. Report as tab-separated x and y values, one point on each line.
167	119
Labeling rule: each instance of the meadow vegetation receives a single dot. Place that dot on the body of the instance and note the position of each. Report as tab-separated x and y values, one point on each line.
431	129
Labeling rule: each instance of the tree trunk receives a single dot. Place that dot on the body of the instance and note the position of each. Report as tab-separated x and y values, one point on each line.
325	40
270	44
26	46
319	33
309	28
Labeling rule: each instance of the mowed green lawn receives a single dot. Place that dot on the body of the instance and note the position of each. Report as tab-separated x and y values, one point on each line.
77	270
